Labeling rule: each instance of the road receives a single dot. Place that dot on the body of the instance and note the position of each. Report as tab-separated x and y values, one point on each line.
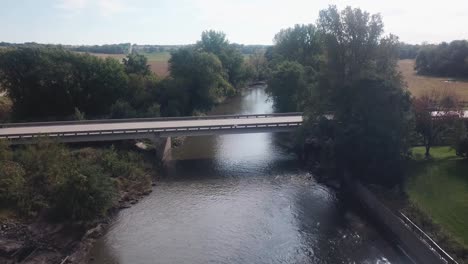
152	125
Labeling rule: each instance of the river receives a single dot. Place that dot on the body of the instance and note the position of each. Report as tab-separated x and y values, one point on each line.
240	199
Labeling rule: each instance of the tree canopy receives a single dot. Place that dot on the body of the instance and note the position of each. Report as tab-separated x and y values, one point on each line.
231	58
445	59
359	84
46	83
199	75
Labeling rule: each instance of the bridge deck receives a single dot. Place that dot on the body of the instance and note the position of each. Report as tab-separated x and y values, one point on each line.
94	131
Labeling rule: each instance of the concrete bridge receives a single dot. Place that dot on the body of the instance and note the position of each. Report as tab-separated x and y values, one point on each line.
150	128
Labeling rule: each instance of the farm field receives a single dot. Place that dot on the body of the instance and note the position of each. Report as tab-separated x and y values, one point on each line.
158	61
418	84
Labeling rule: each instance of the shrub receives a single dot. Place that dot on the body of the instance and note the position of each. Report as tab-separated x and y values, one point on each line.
11	182
5	108
48	176
122	109
86	193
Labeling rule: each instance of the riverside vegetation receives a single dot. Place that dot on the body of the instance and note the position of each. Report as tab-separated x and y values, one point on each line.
67	190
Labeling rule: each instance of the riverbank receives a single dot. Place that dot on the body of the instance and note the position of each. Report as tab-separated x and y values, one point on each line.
435	198
39	239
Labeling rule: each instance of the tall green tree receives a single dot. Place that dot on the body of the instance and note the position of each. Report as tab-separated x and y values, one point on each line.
294	61
290	86
200	76
300	43
137	64
358	83
259	65
231	58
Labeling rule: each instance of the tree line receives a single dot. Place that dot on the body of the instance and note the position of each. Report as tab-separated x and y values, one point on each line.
52	83
445	59
122	48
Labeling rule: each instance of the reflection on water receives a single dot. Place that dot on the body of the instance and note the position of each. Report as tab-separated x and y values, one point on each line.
240	199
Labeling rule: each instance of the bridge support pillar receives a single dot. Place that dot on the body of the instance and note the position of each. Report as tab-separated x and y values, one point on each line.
167	150
163	147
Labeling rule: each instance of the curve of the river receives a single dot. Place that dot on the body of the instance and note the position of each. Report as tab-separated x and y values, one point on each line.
240	199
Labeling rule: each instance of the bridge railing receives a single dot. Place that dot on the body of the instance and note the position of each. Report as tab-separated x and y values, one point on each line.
106	132
152	119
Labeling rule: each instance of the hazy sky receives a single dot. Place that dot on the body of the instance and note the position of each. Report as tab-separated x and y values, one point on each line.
182	21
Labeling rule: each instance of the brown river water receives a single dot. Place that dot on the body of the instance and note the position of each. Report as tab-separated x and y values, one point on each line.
241	199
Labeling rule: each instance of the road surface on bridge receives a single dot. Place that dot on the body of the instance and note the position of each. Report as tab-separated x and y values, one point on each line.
115	129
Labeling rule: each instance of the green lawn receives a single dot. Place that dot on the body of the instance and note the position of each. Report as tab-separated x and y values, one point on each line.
439	187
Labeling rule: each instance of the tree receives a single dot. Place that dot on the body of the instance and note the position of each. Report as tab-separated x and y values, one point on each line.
358	83
199	75
259	66
231	59
294	62
289	86
460	142
371	136
213	42
136	64
300	43
436	113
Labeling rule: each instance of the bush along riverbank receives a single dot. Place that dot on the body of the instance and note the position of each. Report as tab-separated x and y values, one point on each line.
56	200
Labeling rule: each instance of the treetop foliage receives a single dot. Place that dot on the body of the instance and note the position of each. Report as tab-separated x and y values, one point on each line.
300	43
445	59
136	64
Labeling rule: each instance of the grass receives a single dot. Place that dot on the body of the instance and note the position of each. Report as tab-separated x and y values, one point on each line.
439	188
418	85
437	153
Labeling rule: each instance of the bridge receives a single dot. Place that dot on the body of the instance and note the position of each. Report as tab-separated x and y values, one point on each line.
149	128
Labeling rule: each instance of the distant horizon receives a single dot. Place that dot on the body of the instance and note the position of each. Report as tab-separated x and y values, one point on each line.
125	42
180	22
159	44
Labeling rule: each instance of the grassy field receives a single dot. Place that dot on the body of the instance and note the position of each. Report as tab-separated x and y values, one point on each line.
418	85
439	187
